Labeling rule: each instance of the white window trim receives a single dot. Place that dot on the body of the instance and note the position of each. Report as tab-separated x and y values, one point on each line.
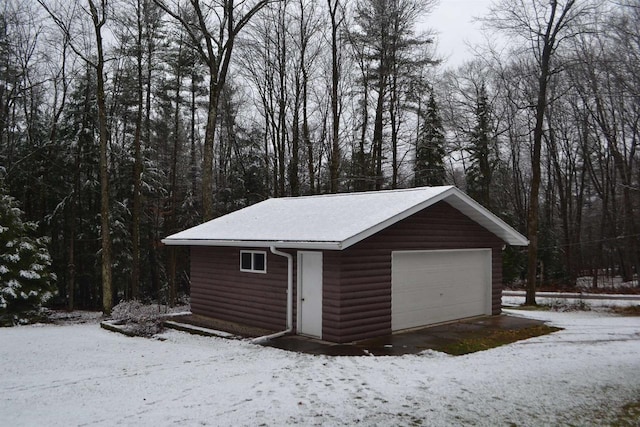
252	270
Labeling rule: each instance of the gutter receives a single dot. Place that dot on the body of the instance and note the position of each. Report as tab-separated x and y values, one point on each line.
290	244
289	298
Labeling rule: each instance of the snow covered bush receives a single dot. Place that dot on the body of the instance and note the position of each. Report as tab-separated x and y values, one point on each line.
137	318
564	305
25	278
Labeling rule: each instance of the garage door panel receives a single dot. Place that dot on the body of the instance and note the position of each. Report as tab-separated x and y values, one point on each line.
417	301
437	303
441	286
437	286
438	315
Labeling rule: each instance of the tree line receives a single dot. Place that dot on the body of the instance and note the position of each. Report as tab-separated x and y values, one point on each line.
124	121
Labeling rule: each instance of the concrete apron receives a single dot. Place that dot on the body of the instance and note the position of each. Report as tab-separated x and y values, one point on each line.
408	342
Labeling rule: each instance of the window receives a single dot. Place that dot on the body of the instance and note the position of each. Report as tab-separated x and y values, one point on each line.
253	261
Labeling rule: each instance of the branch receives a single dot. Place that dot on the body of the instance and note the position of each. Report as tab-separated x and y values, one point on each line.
187	27
66	31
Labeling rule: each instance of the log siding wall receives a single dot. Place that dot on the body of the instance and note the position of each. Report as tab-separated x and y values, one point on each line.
360	288
220	290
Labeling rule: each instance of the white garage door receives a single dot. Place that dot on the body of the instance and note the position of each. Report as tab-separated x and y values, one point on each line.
429	287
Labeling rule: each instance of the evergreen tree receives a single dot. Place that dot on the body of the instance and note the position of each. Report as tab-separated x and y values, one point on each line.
25	280
247	172
73	222
481	152
430	151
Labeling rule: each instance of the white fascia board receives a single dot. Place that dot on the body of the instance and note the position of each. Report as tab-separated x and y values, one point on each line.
487	219
255	244
405	214
459	201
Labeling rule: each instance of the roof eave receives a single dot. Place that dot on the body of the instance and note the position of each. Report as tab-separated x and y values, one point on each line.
493	223
390	221
328	245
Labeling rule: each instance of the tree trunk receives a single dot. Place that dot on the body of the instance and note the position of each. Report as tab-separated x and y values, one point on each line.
294	181
173	175
541	106
282	95
192	151
306	137
377	134
107	293
361	160
393	118
207	155
137	168
71	262
172	297
533	212
334	165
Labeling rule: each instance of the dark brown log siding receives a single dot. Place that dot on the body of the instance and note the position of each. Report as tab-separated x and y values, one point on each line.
220	290
357	281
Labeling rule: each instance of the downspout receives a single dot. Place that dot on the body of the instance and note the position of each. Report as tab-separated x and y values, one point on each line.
289	299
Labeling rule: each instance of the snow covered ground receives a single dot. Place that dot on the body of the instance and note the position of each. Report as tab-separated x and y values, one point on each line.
79	374
589	301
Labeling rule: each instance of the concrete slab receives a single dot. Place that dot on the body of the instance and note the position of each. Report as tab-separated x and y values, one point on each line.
408	342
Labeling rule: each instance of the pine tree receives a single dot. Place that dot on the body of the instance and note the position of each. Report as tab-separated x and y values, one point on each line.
25	280
73	223
481	152
430	150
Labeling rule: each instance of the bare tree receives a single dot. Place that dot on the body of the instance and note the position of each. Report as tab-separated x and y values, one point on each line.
385	46
213	29
542	26
98	13
99	18
607	85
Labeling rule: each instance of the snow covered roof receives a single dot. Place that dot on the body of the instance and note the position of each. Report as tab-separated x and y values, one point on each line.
333	221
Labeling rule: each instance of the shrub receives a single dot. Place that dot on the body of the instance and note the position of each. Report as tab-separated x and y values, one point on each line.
25	278
569	305
137	318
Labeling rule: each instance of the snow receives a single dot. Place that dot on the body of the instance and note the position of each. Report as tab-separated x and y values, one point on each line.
595	301
26	246
10	287
43	256
333	219
37	267
29	274
12	257
80	374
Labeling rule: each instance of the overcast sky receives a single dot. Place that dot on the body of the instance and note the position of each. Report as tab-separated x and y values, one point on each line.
452	22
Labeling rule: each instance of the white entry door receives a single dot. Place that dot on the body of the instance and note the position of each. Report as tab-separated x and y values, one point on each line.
310	293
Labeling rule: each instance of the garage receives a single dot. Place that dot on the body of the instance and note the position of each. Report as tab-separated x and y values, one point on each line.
377	262
437	286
